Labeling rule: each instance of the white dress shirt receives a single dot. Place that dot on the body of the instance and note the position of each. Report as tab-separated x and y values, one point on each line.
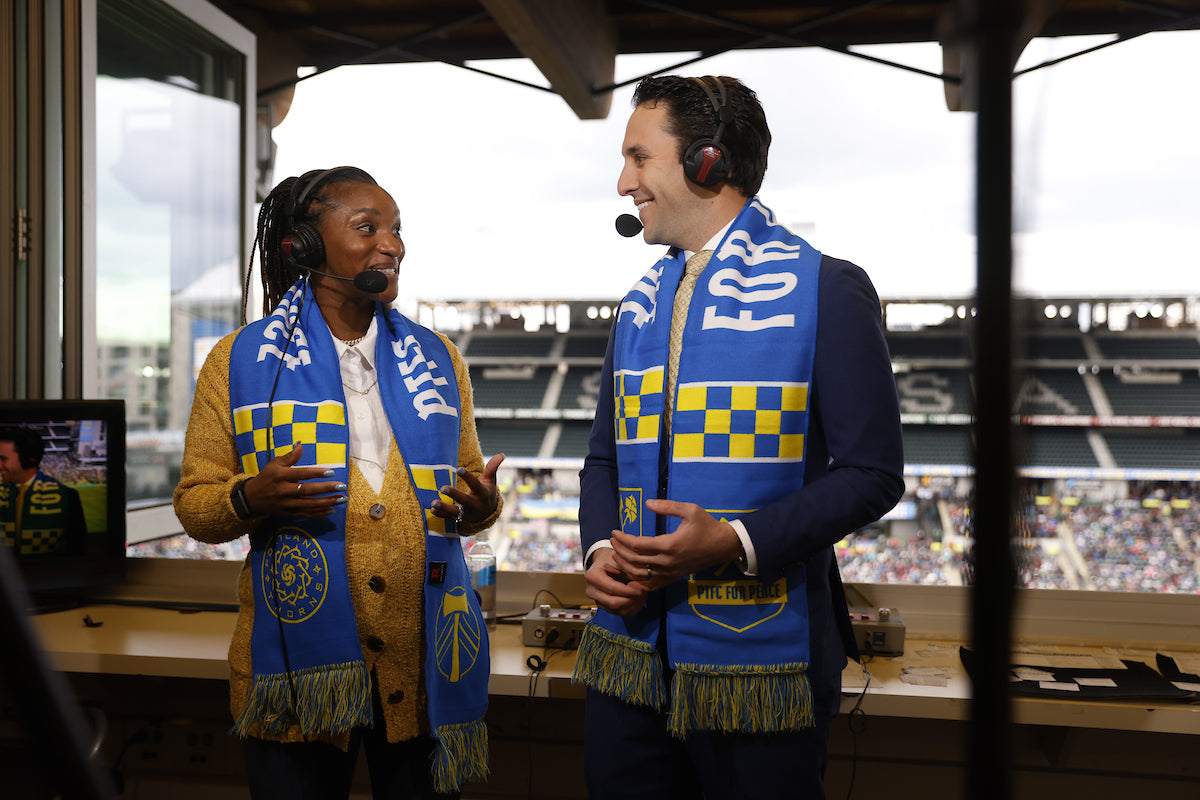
370	431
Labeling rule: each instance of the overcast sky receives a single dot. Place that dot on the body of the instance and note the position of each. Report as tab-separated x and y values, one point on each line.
504	193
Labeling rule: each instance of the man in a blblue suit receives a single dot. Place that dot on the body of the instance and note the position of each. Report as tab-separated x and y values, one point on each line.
739	434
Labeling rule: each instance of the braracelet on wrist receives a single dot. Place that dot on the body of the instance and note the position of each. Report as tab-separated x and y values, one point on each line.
241	506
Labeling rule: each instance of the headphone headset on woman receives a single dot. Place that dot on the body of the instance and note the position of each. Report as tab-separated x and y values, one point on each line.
302	244
705	163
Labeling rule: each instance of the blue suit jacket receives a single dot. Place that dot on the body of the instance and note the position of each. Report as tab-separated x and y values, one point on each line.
854	466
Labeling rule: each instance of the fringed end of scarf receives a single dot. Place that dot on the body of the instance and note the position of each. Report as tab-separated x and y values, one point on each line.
460	756
748	699
620	666
327	699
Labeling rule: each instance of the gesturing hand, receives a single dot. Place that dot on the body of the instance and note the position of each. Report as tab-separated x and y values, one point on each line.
479	500
282	489
611	588
700	541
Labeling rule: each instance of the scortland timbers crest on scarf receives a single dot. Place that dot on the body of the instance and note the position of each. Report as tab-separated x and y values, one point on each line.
457	634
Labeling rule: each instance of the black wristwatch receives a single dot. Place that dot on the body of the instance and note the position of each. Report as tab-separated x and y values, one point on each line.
241	506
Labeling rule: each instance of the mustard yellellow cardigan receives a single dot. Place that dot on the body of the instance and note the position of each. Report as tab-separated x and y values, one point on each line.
391	549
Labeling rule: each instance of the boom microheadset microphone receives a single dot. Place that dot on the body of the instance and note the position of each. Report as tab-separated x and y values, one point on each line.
367	281
628	225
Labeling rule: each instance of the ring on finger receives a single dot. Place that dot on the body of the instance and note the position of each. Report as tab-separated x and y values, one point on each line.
649	573
461	510
300	489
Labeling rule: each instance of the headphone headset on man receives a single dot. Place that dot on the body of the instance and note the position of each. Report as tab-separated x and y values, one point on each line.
302	244
705	163
30	460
